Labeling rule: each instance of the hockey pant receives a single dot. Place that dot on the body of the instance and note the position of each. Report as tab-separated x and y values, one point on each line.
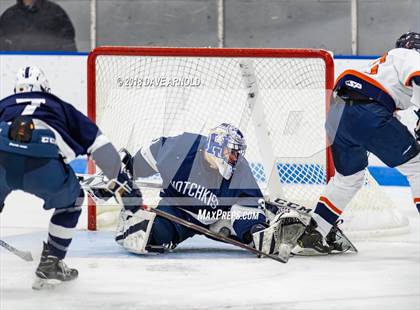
54	182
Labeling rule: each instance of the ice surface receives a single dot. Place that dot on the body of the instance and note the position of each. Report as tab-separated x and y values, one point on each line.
204	274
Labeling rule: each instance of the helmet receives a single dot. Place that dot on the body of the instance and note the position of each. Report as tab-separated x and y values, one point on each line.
225	144
410	40
30	79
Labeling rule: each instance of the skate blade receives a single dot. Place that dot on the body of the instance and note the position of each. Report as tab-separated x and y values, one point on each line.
45	284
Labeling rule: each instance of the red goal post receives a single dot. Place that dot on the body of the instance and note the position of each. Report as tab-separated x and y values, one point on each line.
201	53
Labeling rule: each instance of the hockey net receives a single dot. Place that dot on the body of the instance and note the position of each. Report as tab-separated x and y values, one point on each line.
277	97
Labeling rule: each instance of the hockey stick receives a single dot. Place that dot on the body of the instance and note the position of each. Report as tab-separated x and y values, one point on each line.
25	255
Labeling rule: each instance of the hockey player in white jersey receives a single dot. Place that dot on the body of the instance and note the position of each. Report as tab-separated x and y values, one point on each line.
39	135
206	181
361	120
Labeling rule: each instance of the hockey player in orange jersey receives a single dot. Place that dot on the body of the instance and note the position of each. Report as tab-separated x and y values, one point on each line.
361	120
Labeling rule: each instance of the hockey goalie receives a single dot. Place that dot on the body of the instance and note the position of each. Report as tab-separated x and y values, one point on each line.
208	181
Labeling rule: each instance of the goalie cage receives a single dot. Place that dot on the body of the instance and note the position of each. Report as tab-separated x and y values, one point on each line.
277	97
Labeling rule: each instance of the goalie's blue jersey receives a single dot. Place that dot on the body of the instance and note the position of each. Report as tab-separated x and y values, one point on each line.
75	134
190	184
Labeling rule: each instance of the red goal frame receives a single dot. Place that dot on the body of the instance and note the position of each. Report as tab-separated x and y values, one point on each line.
201	52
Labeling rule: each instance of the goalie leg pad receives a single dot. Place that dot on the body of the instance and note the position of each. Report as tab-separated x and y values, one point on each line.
133	230
267	240
282	235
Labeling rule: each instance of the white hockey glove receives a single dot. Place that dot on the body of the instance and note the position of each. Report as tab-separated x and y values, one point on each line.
122	189
127	193
133	230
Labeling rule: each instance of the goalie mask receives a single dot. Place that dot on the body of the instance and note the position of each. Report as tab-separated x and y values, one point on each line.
224	146
29	79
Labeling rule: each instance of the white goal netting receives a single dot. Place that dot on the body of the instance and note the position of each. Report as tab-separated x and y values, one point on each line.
278	102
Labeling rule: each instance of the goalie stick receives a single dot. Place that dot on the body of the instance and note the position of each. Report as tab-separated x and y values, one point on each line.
25	255
211	234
